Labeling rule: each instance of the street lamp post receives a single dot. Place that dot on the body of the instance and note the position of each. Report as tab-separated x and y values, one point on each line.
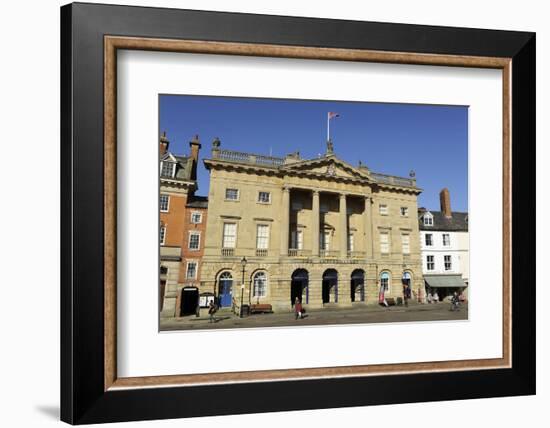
243	264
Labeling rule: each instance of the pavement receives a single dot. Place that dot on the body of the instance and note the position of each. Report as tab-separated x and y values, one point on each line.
225	319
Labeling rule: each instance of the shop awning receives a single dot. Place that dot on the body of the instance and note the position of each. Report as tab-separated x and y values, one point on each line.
444	281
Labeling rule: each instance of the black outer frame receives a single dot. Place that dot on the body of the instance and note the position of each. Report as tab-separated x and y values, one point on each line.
83	399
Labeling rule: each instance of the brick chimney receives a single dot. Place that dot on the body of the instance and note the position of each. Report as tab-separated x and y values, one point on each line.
445	201
164	143
195	147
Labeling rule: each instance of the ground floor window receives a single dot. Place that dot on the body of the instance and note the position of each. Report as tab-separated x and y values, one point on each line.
260	284
385	281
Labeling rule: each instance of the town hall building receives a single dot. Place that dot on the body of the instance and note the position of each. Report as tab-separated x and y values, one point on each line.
318	230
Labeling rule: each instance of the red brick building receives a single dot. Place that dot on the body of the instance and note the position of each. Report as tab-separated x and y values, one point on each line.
182	228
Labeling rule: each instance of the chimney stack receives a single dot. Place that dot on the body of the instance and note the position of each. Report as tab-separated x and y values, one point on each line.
195	147
164	143
445	201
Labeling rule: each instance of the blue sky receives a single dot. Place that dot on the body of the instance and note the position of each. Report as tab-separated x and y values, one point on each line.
388	138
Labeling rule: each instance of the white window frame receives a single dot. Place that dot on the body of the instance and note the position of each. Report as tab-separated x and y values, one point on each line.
297	239
406	245
383	209
431	239
384	244
446	243
167	202
194	233
223	234
428	220
351	243
255	288
162	233
450	262
268	197
404	211
194	213
325	240
231	189
191	262
172	173
267	228
430	260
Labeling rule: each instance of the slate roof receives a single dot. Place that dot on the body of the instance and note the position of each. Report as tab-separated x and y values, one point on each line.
457	223
197	202
184	167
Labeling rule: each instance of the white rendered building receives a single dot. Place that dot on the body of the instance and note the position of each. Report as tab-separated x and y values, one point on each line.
444	246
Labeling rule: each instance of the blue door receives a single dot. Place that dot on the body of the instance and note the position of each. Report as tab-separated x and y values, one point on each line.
225	289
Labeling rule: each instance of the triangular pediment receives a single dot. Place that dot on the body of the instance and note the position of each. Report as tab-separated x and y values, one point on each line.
167	157
329	166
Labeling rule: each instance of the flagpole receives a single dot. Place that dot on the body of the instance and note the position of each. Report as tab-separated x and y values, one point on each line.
328	126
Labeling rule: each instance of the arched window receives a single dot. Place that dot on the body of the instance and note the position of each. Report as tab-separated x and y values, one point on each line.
225	276
260	284
406	278
385	281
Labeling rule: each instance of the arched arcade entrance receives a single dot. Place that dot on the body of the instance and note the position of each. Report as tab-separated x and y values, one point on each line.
299	286
358	285
330	286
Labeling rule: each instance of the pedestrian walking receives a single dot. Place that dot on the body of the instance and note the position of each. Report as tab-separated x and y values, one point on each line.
436	297
298	310
454	302
405	295
212	309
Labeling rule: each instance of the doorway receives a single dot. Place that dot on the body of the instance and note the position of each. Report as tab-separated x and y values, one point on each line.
330	286
358	285
225	289
299	286
189	300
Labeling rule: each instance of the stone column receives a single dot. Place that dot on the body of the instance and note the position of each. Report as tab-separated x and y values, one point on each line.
367	224
315	226
343	226
285	221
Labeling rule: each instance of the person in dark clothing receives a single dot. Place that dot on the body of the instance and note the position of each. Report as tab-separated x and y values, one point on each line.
212	309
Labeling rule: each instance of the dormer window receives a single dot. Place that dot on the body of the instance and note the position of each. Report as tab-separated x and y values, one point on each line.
428	219
167	169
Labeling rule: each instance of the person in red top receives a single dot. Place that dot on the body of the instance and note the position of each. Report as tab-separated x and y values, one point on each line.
298	309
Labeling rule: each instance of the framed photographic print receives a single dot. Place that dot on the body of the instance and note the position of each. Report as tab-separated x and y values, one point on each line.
292	213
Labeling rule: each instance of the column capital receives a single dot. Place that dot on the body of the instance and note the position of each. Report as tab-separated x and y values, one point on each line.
286	188
343	195
315	192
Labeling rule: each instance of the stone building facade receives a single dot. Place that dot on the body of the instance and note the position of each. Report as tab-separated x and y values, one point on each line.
320	230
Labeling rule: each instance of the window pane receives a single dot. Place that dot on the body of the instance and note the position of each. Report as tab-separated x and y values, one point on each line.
384	243
232	194
167	169
191	270
264	197
194	241
229	235
162	234
196	218
260	284
164	202
262	236
406	244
